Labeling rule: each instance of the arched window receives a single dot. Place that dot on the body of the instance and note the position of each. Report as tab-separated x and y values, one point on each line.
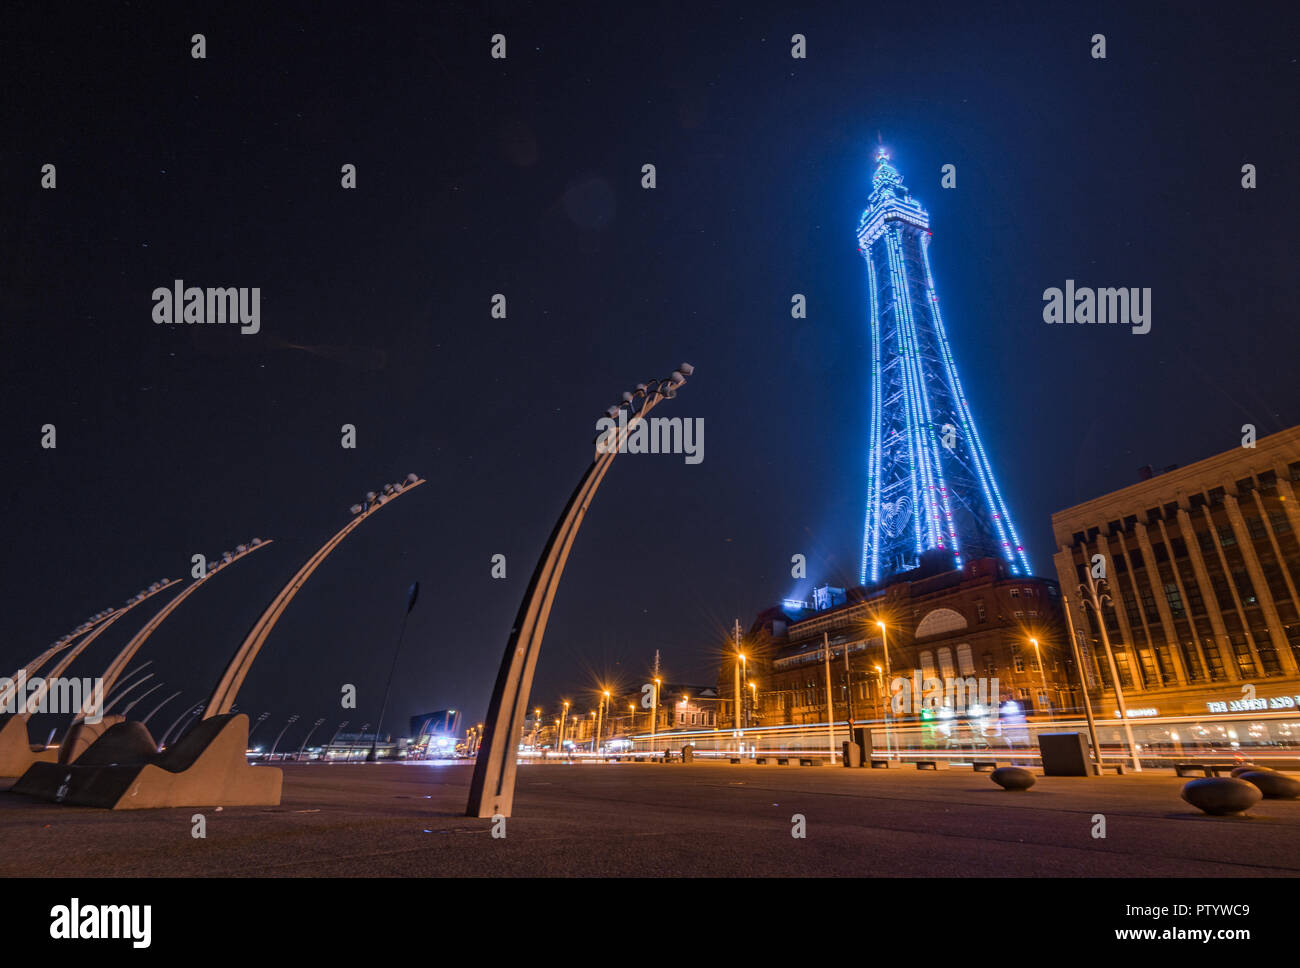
946	669
927	664
940	620
965	661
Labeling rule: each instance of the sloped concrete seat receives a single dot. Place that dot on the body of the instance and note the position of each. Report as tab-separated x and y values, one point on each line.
17	753
1273	785
1013	778
1221	796
122	770
122	744
84	735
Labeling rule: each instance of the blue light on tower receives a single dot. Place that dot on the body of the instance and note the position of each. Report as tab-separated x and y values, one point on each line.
930	484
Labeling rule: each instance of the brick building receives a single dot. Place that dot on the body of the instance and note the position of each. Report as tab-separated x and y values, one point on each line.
978	621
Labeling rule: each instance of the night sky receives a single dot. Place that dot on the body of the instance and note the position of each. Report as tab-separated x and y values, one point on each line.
523	177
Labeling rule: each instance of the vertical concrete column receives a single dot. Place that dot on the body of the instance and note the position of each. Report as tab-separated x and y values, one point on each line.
1134	658
1187	605
1162	604
1236	596
1262	592
1287	493
1220	629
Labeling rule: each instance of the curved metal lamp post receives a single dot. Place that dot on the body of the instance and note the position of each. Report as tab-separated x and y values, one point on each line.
122	694
315	726
492	789
144	720
224	694
111	696
58	646
131	705
292	719
116	667
38	697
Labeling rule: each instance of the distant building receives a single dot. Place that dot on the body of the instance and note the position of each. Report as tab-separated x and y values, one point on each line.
1202	567
435	733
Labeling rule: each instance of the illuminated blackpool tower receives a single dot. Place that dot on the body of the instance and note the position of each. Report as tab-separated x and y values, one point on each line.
929	481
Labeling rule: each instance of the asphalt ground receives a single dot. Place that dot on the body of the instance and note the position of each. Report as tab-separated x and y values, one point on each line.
659	820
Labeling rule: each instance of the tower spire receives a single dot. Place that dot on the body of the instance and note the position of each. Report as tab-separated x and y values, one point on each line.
930	484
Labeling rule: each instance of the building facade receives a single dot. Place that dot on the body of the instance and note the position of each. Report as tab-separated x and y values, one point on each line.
978	622
1201	565
930	484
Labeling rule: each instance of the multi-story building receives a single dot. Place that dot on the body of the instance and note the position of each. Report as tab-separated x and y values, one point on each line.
980	621
1201	566
679	706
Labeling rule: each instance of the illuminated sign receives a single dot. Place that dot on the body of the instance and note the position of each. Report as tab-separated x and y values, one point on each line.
1140	713
1251	705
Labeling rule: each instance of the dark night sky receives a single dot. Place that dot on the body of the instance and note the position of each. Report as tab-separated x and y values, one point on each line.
478	176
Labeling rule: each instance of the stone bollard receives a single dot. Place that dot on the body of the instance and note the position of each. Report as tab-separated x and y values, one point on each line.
1273	785
1221	796
1012	778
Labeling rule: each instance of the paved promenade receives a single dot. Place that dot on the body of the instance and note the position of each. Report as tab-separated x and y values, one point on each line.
666	820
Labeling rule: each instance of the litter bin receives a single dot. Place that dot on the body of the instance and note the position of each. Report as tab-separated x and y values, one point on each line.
1064	754
852	754
688	753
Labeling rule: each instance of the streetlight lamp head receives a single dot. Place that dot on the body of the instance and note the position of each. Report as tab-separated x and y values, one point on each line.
686	369
356	509
677	378
370	496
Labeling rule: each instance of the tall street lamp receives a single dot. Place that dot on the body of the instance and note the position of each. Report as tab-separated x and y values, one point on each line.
884	645
1083	684
1042	676
492	786
654	715
412	594
604	701
1089	594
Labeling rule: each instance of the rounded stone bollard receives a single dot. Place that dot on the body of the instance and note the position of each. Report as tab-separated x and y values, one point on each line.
1012	778
1251	768
1221	796
1273	785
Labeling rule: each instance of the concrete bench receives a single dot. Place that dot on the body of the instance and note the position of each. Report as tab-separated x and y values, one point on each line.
883	764
735	759
762	760
1218	769
810	761
985	766
932	764
1191	769
783	761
